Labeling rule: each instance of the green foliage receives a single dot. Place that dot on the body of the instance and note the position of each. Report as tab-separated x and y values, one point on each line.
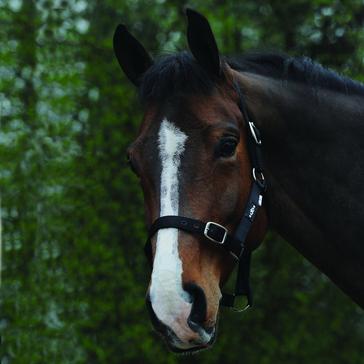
74	275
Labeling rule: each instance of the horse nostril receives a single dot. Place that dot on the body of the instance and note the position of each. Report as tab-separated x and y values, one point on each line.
199	307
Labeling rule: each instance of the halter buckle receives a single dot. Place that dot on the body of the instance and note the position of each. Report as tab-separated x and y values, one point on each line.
255	133
213	228
241	309
258	175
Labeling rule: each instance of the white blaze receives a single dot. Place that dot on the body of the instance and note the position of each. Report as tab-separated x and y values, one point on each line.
168	299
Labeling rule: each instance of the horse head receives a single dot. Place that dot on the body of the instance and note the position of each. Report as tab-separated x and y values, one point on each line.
192	159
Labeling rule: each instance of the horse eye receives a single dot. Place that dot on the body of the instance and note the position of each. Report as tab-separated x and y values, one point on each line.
227	147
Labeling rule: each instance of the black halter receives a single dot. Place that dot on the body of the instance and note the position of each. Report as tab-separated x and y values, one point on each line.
218	234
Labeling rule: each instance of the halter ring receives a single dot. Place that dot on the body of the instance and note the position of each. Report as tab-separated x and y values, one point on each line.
241	309
255	133
261	176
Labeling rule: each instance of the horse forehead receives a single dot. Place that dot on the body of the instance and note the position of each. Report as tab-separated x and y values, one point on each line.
191	115
170	137
150	134
162	135
190	112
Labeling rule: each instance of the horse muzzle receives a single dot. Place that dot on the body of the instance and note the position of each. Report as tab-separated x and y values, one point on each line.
184	328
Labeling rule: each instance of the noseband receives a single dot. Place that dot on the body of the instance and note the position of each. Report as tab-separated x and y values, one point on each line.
217	234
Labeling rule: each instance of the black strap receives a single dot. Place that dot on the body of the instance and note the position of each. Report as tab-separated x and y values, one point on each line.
254	140
213	232
210	230
242	285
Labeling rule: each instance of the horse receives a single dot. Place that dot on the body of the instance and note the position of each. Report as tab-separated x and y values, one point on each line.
207	118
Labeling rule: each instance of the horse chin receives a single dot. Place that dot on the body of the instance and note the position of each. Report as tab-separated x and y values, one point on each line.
188	350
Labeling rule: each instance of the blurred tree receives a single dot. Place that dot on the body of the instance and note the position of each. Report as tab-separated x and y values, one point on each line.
74	272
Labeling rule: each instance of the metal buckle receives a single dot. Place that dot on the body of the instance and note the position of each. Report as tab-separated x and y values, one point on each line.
261	175
206	231
254	131
241	309
235	256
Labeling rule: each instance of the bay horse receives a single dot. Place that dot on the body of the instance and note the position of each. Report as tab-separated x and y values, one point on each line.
195	159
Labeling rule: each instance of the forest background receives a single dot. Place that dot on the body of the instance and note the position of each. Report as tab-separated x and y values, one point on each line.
73	270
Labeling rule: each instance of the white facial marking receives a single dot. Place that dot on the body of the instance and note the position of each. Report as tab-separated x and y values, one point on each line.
169	301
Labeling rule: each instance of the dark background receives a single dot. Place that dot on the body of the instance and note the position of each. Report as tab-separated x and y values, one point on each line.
74	274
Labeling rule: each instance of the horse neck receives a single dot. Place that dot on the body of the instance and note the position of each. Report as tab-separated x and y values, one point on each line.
313	148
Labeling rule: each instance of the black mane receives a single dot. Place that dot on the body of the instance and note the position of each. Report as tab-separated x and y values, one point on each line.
297	69
180	73
176	73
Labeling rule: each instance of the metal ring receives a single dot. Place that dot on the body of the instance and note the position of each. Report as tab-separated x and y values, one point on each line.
262	179
254	131
237	309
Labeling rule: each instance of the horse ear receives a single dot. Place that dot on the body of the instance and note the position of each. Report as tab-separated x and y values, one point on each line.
202	42
133	58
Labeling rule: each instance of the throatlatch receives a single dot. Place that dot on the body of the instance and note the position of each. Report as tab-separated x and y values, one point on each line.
218	234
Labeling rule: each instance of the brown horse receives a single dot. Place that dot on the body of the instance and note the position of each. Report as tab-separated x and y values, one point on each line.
192	158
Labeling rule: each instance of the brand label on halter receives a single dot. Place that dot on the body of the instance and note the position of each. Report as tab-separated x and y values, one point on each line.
251	212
